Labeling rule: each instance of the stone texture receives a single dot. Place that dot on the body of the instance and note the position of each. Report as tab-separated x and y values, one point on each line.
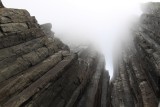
38	70
47	29
136	82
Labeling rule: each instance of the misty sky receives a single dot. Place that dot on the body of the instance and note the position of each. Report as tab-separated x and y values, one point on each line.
100	21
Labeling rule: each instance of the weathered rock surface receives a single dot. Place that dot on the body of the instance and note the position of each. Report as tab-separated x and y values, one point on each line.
136	81
38	70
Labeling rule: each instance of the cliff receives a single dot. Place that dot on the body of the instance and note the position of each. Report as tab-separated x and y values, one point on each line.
38	70
137	72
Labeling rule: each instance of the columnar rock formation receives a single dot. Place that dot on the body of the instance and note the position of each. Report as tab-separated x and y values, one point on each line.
137	73
38	70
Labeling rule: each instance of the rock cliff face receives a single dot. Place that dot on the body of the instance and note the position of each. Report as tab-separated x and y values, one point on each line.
38	70
136	81
1	5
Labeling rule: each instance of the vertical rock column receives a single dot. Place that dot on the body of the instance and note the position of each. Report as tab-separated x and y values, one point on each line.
137	80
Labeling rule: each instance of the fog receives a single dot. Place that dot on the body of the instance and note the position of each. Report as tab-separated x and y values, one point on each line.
103	22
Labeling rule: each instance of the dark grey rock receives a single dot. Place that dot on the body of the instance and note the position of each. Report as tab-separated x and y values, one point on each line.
38	69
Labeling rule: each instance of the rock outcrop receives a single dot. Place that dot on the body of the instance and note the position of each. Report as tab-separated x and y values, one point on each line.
136	81
1	4
38	70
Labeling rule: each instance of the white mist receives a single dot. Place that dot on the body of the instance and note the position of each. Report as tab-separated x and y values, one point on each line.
104	22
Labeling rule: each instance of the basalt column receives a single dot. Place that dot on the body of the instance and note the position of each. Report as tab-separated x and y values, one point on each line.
136	81
38	70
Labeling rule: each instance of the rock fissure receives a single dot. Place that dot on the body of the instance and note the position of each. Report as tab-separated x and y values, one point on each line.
38	70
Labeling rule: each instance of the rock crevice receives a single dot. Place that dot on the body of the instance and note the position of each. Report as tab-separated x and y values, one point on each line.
38	70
